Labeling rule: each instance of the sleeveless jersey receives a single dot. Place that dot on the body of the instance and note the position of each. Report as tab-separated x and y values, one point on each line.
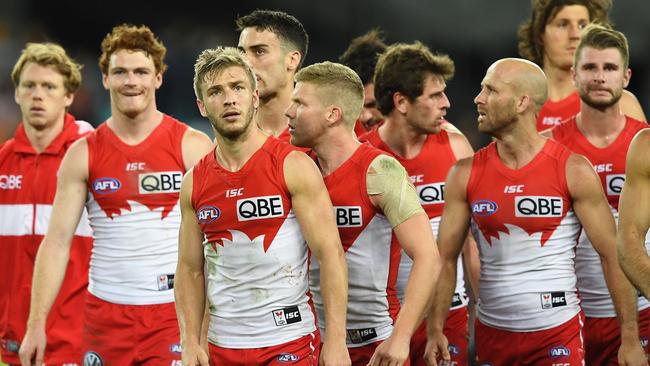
255	253
609	163
27	189
553	113
134	212
371	253
428	172
526	232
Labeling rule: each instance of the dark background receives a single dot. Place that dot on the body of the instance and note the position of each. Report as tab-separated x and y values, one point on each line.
474	33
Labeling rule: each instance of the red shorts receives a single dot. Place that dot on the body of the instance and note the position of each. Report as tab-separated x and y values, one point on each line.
561	345
361	356
303	351
117	334
457	332
603	338
644	330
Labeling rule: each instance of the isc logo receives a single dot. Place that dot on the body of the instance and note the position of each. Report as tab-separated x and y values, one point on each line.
208	214
431	193
287	316
159	182
106	185
538	206
614	184
484	207
559	351
10	181
348	216
264	207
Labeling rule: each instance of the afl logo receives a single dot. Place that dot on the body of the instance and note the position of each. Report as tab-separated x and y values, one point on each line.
93	359
208	214
484	207
287	357
106	185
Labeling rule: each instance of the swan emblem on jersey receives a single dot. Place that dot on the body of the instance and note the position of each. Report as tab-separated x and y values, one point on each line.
238	238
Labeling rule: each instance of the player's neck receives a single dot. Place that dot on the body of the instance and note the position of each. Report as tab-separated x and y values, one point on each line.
40	139
600	127
560	84
271	116
132	130
402	139
520	144
335	150
232	155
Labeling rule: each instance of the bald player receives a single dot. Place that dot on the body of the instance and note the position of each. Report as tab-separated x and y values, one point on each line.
527	229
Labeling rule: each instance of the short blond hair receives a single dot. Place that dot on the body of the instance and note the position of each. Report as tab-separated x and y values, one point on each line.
214	61
49	54
338	85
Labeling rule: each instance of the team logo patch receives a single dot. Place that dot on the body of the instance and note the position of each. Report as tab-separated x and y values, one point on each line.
644	342
614	184
159	182
287	357
165	282
484	207
10	345
175	348
255	208
11	181
92	358
348	216
106	185
538	206
430	194
553	299
559	351
453	349
286	316
208	214
361	335
456	300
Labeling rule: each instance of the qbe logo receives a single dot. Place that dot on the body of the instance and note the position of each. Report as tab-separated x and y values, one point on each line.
431	194
208	214
348	216
159	182
254	208
614	184
538	206
484	207
559	351
286	316
92	358
106	185
286	357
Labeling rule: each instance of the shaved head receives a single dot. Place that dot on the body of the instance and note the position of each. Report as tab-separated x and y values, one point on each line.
525	78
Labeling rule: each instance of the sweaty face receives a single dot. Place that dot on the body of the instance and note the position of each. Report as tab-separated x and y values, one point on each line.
307	116
41	96
229	102
600	76
132	81
370	115
427	112
562	35
264	51
495	103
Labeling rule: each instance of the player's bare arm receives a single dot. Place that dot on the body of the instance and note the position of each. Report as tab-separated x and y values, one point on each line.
54	251
634	214
453	230
390	190
631	107
591	207
315	214
195	145
189	289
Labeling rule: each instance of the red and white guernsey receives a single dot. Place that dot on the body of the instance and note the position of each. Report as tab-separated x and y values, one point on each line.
255	253
134	213
27	188
371	253
526	232
609	163
553	113
428	172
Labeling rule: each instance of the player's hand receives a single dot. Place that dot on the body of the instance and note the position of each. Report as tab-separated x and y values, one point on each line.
392	352
32	348
437	349
195	355
631	354
334	353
